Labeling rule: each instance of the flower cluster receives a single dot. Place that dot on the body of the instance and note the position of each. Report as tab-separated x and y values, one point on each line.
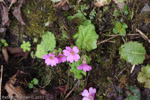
70	55
89	95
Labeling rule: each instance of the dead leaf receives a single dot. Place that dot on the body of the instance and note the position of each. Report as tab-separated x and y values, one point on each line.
66	6
5	18
12	1
119	4
2	29
5	54
15	50
100	3
14	91
17	12
61	3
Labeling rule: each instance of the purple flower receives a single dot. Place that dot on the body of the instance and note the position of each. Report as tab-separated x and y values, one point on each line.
89	95
50	59
84	66
72	54
61	58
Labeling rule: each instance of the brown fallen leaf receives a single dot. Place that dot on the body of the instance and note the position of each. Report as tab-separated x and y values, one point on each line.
17	12
5	18
15	50
14	91
119	4
100	3
61	3
5	54
12	1
2	29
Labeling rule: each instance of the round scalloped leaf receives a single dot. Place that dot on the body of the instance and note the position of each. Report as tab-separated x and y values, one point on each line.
86	36
132	52
48	41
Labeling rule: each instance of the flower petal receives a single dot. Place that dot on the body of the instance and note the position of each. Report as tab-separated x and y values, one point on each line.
76	57
56	60
68	48
66	52
48	61
51	55
85	93
45	57
92	90
63	59
75	49
70	58
87	67
80	67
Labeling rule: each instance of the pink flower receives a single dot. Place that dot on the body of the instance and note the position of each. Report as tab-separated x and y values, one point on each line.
84	66
50	59
61	58
89	95
72	54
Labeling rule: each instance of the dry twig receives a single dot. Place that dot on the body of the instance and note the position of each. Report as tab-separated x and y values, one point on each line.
1	80
143	35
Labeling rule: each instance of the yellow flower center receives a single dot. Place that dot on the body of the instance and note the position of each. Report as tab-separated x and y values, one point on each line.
51	58
72	53
60	56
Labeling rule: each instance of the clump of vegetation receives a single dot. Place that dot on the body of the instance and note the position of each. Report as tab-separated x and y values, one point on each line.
34	82
144	76
3	44
120	28
26	46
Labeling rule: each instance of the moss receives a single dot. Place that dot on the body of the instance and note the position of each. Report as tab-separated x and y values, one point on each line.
37	13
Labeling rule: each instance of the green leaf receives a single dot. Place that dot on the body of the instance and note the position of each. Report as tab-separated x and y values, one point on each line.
115	30
40	51
30	85
48	41
77	73
144	76
3	41
132	52
78	15
118	25
35	81
26	46
125	8
122	32
124	25
135	91
126	12
86	37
